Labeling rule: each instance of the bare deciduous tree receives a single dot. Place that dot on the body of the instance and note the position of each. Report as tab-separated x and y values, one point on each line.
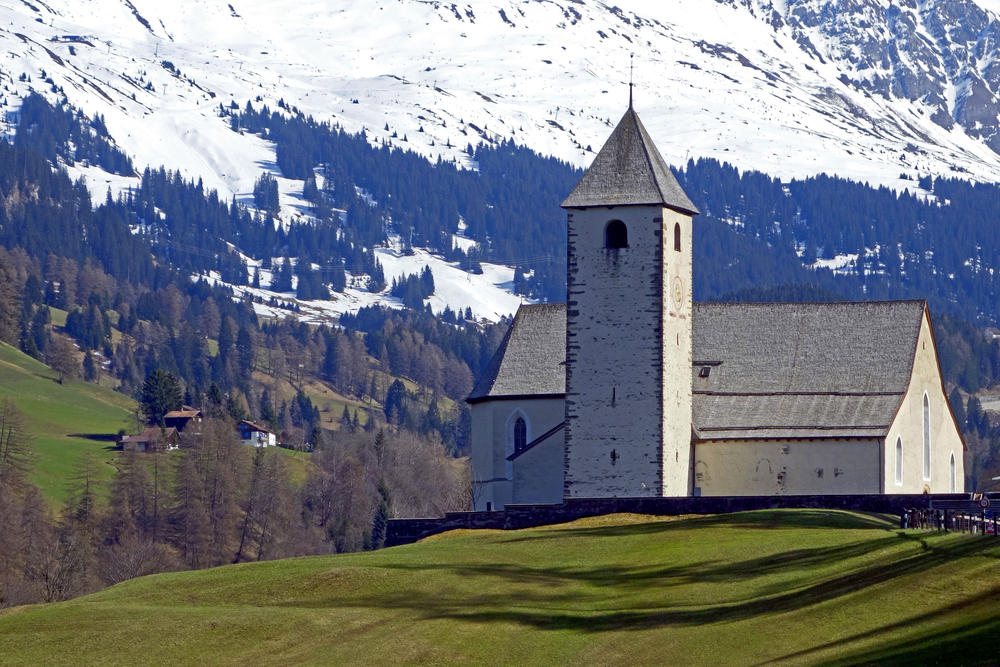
15	446
61	357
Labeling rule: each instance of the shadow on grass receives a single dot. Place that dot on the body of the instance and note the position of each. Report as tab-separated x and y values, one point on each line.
99	437
797	559
757	519
961	636
556	600
972	643
707	571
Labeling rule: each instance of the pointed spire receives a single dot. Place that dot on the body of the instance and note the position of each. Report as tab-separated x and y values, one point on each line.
630	57
629	171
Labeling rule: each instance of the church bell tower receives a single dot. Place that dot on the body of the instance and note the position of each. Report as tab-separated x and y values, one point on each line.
628	324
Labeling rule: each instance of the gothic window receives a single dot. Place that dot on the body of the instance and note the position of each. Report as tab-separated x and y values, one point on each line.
516	433
520	434
952	485
899	461
677	236
616	235
927	437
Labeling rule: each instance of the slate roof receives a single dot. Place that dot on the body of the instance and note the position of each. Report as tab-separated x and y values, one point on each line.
728	416
864	347
776	370
254	428
530	358
629	170
802	369
186	413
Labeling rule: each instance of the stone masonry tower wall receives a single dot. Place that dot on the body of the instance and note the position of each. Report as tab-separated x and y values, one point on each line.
628	324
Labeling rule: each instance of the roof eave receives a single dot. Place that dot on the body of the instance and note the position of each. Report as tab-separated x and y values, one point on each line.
472	400
579	206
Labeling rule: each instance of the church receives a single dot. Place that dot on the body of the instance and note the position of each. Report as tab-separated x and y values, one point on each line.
631	390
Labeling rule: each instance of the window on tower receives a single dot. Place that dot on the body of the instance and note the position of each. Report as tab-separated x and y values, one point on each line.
677	236
616	235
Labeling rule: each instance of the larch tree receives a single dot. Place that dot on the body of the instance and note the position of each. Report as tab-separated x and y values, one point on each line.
222	462
267	511
61	357
9	306
15	446
188	518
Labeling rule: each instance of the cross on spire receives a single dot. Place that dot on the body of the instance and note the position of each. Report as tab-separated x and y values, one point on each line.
630	60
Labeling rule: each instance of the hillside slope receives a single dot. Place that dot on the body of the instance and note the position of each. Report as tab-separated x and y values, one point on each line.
793	586
65	420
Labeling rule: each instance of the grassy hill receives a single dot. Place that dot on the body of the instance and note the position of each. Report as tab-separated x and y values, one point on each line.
65	419
793	586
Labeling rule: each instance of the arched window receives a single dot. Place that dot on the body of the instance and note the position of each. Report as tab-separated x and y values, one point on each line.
952	485
517	430
927	437
520	434
616	235
677	236
899	461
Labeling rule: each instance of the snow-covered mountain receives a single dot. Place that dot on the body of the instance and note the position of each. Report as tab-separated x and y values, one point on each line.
867	89
875	90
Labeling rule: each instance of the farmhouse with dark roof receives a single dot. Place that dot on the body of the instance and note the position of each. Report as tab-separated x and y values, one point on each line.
631	390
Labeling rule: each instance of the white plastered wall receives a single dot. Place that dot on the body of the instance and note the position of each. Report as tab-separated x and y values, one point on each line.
677	355
538	472
787	467
945	438
491	443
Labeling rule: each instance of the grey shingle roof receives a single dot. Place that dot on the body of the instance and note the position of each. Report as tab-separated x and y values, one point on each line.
629	170
862	347
530	358
725	416
778	370
799	370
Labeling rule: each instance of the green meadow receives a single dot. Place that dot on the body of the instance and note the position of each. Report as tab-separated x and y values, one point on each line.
785	586
65	420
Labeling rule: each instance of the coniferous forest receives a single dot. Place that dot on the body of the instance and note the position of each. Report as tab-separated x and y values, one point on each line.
377	401
753	229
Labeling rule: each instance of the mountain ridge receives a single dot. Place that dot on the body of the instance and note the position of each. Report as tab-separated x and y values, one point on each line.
792	88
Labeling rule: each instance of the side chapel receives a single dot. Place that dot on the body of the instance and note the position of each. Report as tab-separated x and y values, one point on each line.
629	389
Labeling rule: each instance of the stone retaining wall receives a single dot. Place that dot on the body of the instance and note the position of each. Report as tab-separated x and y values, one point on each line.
405	531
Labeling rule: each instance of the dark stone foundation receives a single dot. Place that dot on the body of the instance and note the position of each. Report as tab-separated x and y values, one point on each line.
513	517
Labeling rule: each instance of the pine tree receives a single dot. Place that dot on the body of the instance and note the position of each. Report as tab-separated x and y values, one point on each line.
380	522
161	393
245	352
265	193
395	410
957	405
89	367
282	281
